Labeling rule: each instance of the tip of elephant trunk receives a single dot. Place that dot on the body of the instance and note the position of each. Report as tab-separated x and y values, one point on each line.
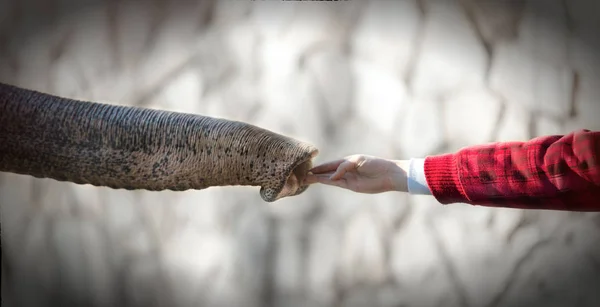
291	181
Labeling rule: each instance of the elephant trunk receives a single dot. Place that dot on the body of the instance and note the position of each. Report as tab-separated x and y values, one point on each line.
46	136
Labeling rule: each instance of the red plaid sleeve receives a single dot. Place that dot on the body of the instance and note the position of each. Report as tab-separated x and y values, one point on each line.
559	172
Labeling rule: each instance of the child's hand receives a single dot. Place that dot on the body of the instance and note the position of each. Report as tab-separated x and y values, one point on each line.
362	174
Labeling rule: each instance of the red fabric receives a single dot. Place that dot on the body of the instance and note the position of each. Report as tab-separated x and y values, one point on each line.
559	172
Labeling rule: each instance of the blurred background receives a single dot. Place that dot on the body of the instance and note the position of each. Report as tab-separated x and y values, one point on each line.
397	79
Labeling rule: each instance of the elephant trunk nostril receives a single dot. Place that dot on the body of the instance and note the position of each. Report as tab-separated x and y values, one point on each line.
292	181
301	171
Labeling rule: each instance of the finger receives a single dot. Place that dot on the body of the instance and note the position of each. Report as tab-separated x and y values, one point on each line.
327	167
314	178
346	166
324	179
310	179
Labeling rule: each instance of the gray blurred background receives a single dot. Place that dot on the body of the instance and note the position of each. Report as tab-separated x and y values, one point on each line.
396	79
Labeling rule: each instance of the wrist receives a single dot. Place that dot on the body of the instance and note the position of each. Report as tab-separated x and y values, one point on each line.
399	175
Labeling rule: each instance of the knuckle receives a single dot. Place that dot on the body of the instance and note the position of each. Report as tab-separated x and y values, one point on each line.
355	159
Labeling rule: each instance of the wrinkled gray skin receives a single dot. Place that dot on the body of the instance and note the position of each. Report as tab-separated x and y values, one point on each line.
134	148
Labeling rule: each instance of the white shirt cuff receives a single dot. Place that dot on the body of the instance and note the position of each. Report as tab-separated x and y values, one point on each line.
417	183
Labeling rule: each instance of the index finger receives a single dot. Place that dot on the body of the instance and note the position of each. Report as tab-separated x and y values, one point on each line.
326	167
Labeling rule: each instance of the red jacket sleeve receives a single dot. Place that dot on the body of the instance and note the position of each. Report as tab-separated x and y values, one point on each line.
559	172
